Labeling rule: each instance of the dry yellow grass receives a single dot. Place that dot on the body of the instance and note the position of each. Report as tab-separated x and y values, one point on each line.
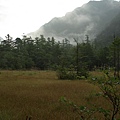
37	94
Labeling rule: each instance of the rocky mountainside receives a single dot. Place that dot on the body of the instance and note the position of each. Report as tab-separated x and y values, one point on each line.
90	19
107	35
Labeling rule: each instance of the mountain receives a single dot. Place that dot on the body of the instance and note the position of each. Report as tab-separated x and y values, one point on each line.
112	30
90	19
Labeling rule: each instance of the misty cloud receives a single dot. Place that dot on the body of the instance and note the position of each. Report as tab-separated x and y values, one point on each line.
90	19
75	18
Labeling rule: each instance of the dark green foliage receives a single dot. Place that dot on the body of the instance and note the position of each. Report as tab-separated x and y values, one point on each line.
44	54
71	74
115	55
83	73
27	53
66	74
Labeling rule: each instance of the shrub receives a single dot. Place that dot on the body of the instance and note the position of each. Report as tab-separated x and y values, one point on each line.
71	74
65	73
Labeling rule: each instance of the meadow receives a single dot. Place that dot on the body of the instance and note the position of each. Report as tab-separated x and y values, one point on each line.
37	93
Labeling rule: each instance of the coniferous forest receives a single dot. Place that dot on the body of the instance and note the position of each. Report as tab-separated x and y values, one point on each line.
48	54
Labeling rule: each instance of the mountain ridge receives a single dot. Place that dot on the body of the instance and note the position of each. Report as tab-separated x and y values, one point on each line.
90	19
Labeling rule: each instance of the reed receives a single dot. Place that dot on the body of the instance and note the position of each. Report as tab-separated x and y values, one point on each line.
36	94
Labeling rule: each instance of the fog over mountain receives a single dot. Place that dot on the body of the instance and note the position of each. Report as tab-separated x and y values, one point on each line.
107	35
90	19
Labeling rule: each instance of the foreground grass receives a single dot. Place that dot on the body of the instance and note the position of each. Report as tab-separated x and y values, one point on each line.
37	94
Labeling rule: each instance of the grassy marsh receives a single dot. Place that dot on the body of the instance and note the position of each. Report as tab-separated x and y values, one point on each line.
37	94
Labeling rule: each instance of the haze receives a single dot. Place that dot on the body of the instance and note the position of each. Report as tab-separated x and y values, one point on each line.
24	16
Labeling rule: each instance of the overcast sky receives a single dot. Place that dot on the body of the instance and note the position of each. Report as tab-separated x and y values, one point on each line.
24	16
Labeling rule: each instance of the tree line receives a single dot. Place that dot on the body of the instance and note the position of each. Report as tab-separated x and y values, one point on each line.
48	54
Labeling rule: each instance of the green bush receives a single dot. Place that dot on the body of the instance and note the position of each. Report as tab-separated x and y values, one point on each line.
65	73
71	74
